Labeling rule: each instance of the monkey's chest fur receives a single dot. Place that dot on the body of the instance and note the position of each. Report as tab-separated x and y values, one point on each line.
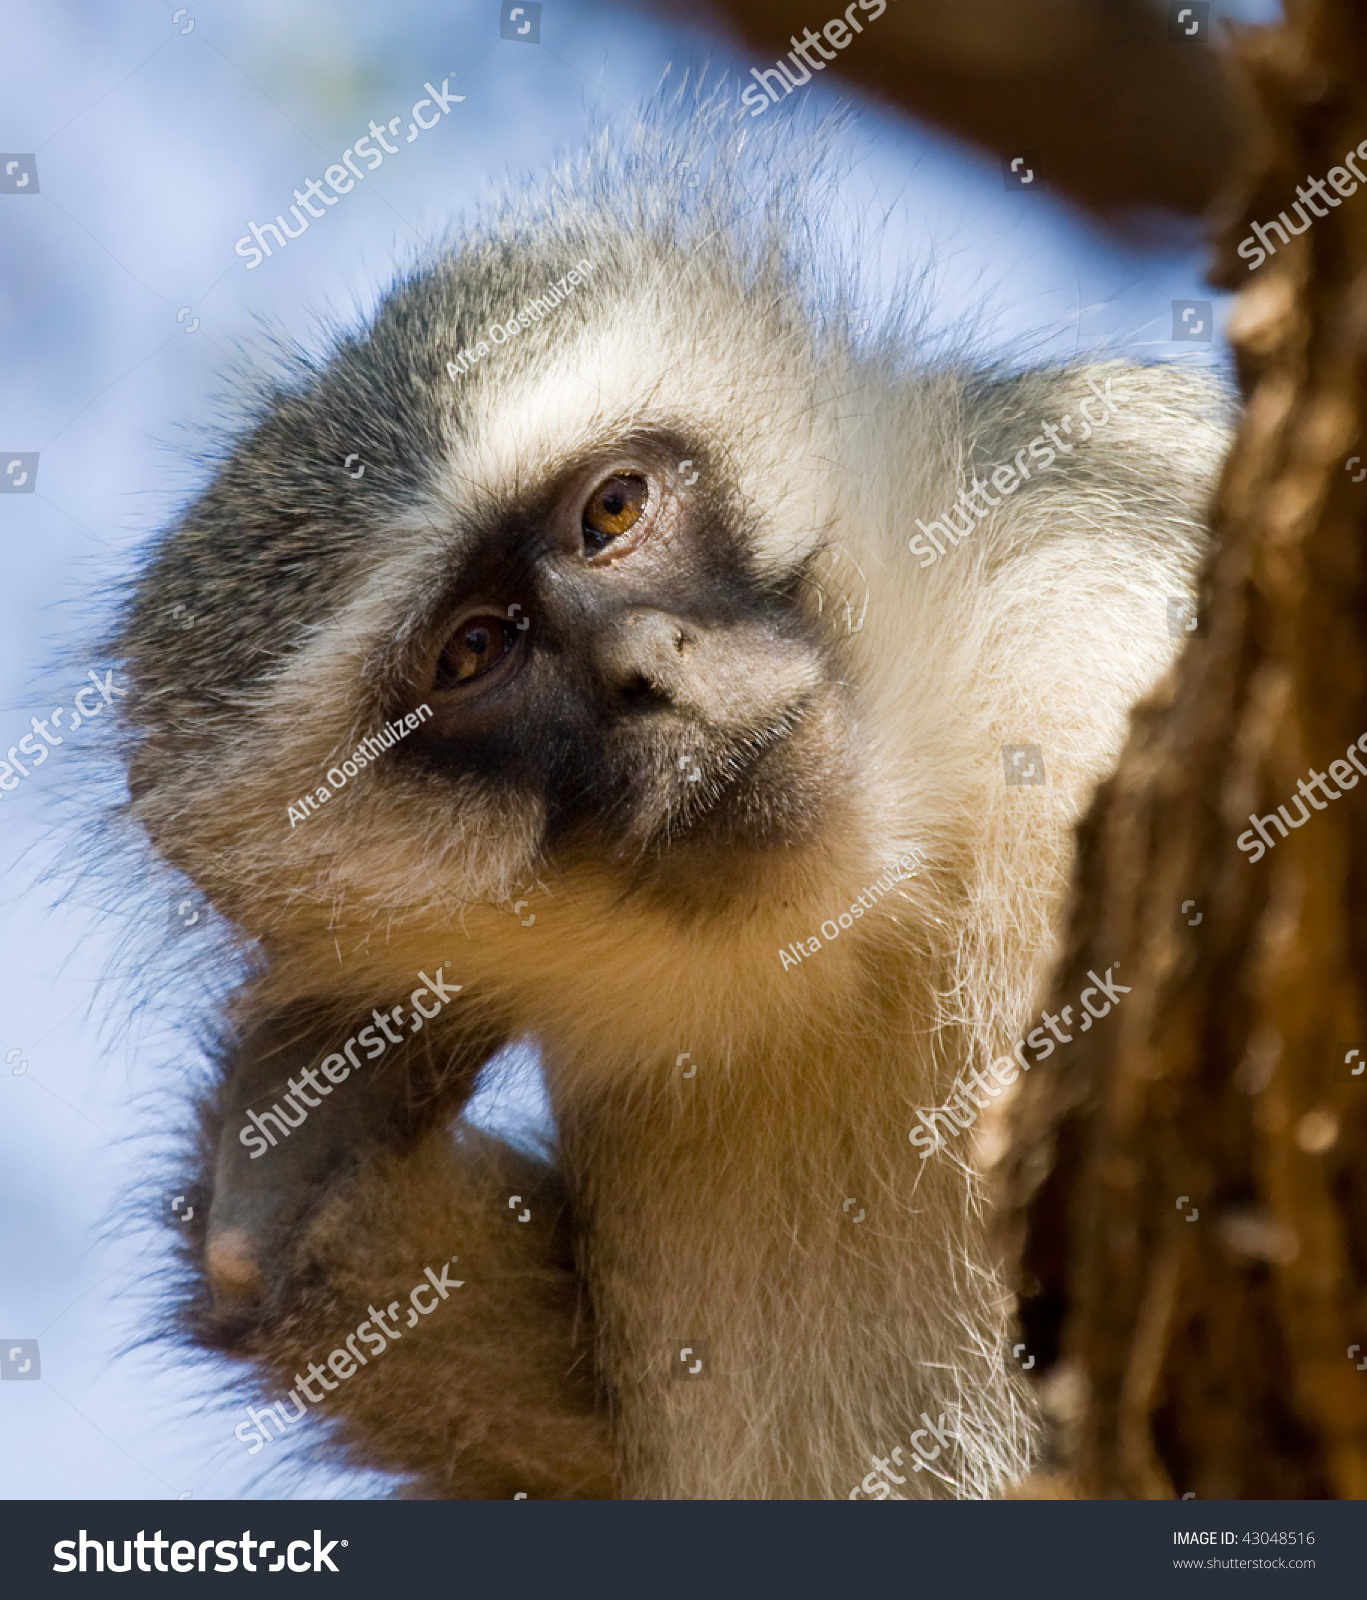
761	1337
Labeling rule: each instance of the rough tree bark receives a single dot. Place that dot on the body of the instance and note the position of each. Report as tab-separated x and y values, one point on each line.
1212	1355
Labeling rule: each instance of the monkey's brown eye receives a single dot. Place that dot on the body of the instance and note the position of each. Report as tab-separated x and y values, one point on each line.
479	644
613	509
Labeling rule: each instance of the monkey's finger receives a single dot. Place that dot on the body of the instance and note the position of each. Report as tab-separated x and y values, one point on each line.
288	1133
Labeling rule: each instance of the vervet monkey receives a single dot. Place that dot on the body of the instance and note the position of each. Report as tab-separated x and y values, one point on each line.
631	598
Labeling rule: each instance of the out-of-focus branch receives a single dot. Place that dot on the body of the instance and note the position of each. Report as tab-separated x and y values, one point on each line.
1117	113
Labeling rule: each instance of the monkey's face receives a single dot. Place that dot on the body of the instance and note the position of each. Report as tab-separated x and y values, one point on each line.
591	555
606	646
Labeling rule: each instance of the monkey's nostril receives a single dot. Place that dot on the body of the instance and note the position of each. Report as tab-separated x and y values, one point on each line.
638	655
639	688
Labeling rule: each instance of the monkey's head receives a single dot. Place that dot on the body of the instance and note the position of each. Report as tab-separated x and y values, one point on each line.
572	491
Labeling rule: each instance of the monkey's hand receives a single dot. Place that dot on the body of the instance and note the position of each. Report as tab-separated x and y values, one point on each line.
426	1273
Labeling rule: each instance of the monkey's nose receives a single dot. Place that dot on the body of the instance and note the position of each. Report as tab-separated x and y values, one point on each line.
643	655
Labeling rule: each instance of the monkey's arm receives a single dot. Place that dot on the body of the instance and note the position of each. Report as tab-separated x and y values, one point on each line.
486	1389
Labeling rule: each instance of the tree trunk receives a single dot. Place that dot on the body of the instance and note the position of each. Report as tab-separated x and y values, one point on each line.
1186	1195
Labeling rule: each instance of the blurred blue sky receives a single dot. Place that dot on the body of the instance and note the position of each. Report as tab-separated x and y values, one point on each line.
155	142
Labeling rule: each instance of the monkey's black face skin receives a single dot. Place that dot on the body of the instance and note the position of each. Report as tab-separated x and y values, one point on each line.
608	648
